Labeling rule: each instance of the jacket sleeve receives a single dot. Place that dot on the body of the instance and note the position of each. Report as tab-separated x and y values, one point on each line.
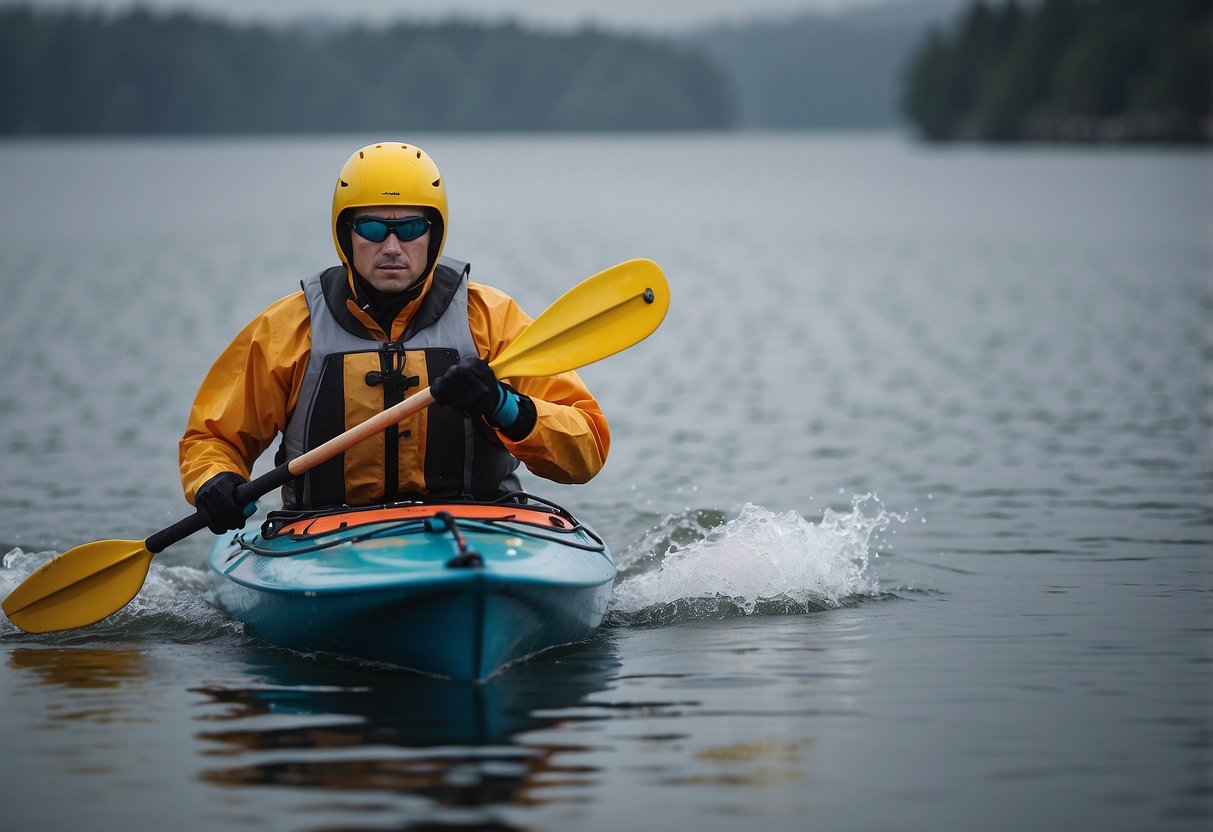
570	440
246	396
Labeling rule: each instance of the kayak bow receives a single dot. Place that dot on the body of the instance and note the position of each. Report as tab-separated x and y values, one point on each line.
455	590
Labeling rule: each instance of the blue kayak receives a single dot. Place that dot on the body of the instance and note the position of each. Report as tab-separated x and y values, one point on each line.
454	590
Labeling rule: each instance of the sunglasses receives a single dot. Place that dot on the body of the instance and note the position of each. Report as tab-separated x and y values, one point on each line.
376	229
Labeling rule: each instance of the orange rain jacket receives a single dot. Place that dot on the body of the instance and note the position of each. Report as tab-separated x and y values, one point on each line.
253	388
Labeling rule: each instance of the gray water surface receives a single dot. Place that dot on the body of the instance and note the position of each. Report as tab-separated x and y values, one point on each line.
910	492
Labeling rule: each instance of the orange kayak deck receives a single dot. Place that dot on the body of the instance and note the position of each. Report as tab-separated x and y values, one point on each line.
324	523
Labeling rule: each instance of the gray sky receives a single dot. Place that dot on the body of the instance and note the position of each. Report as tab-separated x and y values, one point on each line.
621	14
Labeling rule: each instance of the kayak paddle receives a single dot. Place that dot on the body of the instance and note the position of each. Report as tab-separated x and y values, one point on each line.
602	315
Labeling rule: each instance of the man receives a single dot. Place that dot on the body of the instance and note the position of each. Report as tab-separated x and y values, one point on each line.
393	318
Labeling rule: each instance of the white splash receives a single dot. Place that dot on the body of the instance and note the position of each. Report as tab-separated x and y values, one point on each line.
760	562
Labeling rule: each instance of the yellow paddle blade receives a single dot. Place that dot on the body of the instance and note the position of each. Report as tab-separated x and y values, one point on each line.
600	316
79	587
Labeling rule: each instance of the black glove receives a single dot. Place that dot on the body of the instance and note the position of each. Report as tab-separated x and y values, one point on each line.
469	386
217	505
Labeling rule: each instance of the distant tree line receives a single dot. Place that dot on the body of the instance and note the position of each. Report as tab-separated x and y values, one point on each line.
1082	70
139	72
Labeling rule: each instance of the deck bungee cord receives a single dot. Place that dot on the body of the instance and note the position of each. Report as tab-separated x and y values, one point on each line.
281	526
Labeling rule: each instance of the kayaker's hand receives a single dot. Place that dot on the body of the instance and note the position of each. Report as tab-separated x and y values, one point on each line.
469	386
216	503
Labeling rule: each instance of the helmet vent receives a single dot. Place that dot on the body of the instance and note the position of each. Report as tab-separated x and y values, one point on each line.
361	155
435	182
418	154
344	184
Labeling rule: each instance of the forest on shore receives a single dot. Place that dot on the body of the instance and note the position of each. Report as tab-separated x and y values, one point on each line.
986	70
1067	70
143	72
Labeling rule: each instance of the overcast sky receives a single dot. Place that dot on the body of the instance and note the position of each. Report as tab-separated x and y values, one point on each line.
625	14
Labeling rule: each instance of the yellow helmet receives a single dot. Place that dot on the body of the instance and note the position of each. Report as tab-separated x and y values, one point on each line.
389	173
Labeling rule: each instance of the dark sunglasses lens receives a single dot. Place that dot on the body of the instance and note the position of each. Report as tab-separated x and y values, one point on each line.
376	230
373	230
411	228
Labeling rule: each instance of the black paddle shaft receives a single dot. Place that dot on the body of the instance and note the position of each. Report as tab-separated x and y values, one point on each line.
245	494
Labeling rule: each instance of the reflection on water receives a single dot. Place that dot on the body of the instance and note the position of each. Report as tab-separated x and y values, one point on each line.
329	724
765	763
85	712
95	683
79	667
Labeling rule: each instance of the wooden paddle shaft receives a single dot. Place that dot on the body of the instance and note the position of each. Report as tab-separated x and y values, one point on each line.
376	424
280	476
251	491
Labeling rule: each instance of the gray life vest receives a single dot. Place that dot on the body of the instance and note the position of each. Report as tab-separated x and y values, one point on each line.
439	454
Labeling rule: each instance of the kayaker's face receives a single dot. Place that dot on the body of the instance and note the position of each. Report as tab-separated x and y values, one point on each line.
390	265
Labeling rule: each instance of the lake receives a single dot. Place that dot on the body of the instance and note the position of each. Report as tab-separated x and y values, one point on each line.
911	492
